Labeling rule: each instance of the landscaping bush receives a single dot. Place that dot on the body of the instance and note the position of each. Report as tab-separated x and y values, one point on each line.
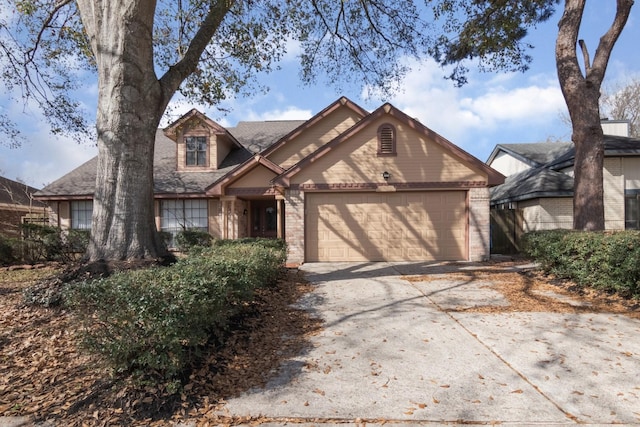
7	250
603	260
153	322
186	240
41	243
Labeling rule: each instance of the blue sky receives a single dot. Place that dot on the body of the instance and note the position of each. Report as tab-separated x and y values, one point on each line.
491	109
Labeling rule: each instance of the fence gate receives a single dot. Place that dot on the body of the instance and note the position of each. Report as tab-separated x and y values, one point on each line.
506	231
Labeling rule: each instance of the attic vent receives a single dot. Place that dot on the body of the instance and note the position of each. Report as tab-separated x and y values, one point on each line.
386	140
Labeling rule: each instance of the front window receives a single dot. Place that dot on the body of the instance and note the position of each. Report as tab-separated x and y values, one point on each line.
180	215
81	211
196	150
632	212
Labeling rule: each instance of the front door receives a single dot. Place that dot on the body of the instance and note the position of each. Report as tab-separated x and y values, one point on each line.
264	218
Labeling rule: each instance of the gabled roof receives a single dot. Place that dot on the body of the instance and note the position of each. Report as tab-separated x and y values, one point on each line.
258	136
343	101
218	187
171	131
534	154
531	184
80	182
16	193
494	177
547	180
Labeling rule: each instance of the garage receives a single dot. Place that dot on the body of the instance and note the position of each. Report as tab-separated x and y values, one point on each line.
395	226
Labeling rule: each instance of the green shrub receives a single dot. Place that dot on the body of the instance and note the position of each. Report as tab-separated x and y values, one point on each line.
153	322
186	240
7	250
603	260
41	243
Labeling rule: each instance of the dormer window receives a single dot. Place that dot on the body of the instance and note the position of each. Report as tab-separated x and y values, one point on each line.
386	140
196	150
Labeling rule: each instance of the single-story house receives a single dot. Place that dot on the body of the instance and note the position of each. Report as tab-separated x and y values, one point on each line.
17	205
345	185
539	183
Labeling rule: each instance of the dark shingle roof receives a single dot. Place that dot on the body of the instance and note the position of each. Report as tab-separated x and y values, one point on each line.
547	180
16	193
535	154
258	136
255	136
531	184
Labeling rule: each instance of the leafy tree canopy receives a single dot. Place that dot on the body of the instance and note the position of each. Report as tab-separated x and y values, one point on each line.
47	52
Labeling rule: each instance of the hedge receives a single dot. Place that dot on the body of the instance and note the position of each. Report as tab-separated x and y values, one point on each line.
154	322
603	260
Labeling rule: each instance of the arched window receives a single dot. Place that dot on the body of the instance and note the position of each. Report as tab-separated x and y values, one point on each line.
386	140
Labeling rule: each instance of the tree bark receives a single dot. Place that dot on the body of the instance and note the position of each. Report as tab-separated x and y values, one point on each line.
129	112
131	102
582	94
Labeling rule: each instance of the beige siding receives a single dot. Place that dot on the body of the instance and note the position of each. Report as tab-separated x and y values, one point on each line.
257	177
311	139
403	226
479	224
613	183
508	165
64	215
547	214
417	160
223	148
215	218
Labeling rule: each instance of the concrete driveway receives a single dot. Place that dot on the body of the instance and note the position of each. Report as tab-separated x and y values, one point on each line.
391	352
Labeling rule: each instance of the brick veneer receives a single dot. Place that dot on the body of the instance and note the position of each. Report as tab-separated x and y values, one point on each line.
294	220
479	224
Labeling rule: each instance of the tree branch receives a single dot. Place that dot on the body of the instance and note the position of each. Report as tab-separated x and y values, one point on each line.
173	78
585	55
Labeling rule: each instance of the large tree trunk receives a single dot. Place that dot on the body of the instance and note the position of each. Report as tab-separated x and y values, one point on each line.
129	110
131	101
582	93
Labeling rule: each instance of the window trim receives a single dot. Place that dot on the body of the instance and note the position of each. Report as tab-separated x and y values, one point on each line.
383	140
84	206
205	153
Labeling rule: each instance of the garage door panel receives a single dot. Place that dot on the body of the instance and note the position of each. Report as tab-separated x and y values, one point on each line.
409	226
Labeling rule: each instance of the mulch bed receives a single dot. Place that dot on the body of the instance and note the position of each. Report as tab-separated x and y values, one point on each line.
44	375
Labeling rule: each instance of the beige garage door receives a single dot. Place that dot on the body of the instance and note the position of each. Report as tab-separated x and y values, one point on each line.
409	226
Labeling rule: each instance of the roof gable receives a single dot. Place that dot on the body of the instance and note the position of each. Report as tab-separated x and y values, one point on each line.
191	119
241	172
315	132
387	110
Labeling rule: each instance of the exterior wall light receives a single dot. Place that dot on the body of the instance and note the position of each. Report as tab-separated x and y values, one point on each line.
386	175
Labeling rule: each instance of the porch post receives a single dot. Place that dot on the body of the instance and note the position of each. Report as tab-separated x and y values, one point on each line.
228	217
280	216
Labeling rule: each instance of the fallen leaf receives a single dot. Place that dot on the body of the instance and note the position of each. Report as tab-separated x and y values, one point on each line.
517	391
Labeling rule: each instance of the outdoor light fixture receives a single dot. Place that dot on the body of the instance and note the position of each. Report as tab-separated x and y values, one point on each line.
245	212
386	175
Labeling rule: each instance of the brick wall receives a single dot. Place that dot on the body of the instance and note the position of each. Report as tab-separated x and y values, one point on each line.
294	220
479	224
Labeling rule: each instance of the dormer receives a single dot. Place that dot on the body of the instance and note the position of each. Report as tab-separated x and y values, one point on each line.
201	143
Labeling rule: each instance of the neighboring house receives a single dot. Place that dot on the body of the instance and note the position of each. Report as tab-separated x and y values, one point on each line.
345	185
538	191
18	206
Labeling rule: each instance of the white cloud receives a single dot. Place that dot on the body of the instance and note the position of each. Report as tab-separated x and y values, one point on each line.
288	113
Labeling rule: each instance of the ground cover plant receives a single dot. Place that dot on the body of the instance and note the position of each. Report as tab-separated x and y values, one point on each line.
609	260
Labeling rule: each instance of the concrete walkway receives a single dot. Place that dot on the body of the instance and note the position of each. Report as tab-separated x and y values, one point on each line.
390	353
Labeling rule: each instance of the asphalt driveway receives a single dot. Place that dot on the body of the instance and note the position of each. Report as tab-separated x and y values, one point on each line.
391	352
